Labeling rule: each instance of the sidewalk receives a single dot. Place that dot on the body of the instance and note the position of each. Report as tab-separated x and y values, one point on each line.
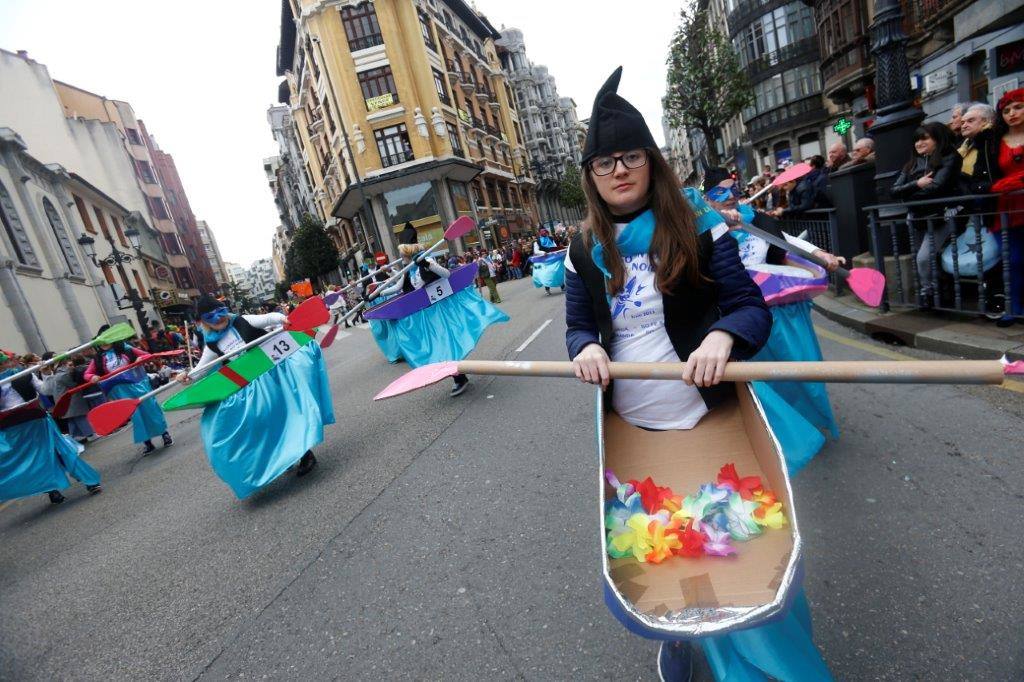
970	338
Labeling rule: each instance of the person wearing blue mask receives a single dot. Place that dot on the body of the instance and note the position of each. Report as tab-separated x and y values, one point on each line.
148	420
655	278
35	457
272	423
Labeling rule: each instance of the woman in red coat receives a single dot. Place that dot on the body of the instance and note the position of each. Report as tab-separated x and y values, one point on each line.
1010	124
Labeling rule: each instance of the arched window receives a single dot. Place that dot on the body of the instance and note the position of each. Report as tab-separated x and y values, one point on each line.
63	239
16	231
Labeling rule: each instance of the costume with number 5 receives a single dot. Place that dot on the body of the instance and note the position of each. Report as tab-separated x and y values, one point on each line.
254	435
447	329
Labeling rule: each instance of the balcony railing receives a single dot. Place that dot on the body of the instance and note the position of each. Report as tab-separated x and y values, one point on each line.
784	58
804	111
388	160
365	42
748	10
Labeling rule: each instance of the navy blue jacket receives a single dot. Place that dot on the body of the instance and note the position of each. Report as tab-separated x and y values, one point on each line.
731	303
811	192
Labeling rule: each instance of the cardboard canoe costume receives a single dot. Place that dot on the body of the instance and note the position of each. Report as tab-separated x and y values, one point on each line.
639	323
254	434
148	420
35	457
446	325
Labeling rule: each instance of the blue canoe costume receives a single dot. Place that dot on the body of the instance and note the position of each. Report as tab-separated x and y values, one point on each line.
784	648
260	431
148	420
35	457
548	267
443	331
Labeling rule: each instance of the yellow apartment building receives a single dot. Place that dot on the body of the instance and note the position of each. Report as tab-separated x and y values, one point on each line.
404	115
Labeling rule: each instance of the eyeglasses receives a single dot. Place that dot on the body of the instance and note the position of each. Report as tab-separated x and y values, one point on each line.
215	315
605	165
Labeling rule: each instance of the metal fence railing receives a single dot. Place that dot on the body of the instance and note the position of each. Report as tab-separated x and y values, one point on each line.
951	254
820	227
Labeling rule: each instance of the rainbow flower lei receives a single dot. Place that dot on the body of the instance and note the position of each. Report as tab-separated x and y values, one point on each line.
651	523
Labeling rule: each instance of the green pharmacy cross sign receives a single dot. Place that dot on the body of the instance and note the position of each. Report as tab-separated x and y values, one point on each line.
842	126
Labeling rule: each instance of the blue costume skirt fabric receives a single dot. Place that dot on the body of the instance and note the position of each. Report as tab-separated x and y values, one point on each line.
254	435
549	273
793	339
35	457
446	330
385	334
148	420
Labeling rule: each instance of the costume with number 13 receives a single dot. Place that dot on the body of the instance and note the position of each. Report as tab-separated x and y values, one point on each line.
256	434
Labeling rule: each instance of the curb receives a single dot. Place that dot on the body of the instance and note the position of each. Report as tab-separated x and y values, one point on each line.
920	330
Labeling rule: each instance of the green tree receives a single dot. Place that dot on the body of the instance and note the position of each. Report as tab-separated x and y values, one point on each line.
706	84
312	254
570	190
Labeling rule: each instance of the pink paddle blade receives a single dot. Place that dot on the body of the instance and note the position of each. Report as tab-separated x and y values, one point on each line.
418	378
460	228
310	313
794	172
868	285
108	417
329	337
1016	367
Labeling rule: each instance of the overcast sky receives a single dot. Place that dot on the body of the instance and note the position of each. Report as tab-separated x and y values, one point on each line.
200	73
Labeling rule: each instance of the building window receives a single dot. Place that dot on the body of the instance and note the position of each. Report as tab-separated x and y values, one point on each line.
120	232
441	87
330	119
453	138
803	81
83	213
393	145
378	86
428	36
766	36
145	172
361	26
23	250
103	223
157	207
63	239
133	136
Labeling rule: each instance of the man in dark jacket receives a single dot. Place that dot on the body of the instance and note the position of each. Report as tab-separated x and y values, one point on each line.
811	192
980	150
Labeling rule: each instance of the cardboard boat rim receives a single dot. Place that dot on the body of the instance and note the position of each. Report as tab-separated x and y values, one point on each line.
702	621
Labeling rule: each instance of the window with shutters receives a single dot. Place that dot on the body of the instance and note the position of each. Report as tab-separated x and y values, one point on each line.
63	239
15	230
83	212
393	145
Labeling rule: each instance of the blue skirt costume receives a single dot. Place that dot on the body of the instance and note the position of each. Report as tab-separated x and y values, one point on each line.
35	457
446	330
148	420
254	435
548	270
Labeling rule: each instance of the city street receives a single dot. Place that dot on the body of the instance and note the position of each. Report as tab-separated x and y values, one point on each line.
445	538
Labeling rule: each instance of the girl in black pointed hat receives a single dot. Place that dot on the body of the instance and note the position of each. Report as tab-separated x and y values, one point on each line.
651	279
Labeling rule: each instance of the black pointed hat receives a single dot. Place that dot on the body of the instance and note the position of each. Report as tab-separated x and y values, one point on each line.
615	124
408	235
207	303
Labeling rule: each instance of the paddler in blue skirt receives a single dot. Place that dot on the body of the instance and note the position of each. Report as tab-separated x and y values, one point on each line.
551	273
35	457
801	430
271	424
446	330
148	420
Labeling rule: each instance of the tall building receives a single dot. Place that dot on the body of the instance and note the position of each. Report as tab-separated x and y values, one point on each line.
403	115
237	275
279	248
553	133
213	257
291	182
958	51
200	273
678	152
82	104
76	184
261	279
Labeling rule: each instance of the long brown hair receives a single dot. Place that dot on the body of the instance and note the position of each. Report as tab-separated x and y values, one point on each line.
674	245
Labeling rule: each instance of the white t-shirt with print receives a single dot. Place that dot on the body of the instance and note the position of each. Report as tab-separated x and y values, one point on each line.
639	335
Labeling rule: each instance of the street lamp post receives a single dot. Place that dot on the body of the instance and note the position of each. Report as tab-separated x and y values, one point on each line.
118	259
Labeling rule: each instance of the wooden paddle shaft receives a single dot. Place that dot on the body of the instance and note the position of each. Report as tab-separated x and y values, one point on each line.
868	372
370	275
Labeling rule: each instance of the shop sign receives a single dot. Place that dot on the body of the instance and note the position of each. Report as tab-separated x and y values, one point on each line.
380	102
1010	58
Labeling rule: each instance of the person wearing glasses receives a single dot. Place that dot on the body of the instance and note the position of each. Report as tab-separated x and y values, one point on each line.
273	422
148	420
651	278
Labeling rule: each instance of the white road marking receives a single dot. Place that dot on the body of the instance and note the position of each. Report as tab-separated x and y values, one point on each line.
533	336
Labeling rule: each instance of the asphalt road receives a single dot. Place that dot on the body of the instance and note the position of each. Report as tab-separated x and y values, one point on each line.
456	539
